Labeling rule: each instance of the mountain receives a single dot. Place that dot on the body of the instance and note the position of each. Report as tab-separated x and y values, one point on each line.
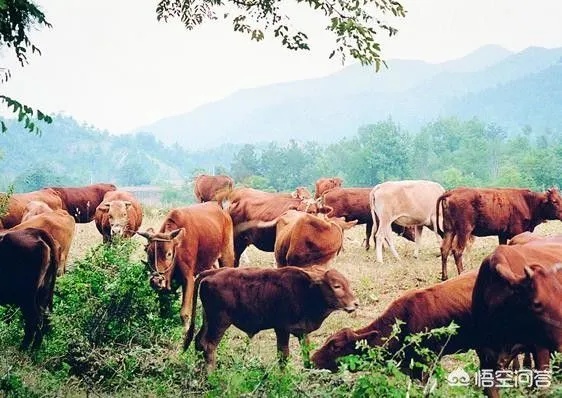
326	109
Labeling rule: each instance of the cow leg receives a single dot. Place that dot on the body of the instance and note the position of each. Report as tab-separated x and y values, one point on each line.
378	245
502	239
239	247
542	358
187	298
31	325
210	335
368	232
282	346
458	250
445	251
390	240
489	361
305	349
417	237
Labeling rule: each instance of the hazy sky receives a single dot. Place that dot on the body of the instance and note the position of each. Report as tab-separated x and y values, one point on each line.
111	64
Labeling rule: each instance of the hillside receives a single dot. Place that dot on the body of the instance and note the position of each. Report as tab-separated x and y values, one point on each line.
329	108
70	153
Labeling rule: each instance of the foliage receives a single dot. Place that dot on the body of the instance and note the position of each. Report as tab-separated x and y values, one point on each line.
354	24
36	178
17	17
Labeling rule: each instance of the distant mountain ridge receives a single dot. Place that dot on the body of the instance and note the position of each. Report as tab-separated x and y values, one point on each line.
412	92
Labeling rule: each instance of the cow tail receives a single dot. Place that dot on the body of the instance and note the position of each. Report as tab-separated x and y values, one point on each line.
191	330
47	275
373	213
439	204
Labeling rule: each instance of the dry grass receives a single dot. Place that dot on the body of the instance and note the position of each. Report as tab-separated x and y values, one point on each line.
375	285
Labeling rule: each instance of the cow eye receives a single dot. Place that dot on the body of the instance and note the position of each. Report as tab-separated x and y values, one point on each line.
169	254
537	305
337	286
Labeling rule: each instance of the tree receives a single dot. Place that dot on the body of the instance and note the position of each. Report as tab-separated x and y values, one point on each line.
355	24
17	17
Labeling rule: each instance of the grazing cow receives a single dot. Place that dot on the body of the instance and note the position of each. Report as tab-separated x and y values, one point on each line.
353	204
29	265
17	203
408	203
324	184
504	321
205	187
120	214
245	204
190	240
289	300
58	223
303	239
81	202
420	310
504	212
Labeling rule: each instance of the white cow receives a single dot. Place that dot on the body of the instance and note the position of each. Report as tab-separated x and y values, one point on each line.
406	203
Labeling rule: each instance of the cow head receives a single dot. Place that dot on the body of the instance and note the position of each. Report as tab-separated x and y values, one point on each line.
336	291
553	204
161	255
307	205
117	212
543	292
340	344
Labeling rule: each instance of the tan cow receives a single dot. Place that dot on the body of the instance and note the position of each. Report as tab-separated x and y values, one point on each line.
303	239
119	214
17	205
406	203
189	242
205	186
58	223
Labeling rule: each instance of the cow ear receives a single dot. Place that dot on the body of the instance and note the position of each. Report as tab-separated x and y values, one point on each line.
507	275
104	206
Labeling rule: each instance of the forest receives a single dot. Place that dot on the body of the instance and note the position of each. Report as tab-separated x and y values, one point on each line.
449	150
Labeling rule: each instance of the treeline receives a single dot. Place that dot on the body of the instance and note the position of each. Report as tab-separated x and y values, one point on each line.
451	151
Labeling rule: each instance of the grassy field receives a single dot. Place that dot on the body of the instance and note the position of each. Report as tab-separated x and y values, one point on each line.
245	367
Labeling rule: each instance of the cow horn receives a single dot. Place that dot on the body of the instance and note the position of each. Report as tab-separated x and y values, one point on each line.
145	234
529	272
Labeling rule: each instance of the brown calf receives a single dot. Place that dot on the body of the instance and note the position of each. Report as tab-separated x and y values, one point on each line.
289	300
420	310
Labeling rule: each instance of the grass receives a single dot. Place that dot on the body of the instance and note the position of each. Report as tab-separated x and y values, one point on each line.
245	367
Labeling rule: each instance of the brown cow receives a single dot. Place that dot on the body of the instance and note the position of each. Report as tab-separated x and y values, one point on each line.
353	204
120	214
81	202
29	265
324	184
420	310
289	300
205	186
503	320
504	212
245	204
409	203
190	240
17	205
303	239
58	223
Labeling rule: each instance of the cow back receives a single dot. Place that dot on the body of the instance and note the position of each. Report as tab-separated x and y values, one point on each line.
81	202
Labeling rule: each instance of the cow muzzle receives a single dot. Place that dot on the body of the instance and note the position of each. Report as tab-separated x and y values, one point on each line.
158	282
116	230
351	307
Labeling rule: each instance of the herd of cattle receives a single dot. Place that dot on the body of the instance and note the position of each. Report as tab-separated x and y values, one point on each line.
510	305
